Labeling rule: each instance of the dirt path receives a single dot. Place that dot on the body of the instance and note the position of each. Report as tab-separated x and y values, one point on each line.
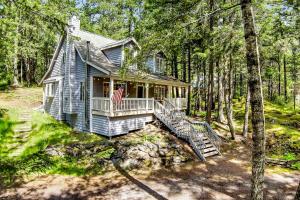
226	177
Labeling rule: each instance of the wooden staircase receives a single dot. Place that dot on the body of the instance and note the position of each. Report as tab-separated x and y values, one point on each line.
200	135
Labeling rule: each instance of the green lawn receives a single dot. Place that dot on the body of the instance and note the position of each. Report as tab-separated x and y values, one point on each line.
28	153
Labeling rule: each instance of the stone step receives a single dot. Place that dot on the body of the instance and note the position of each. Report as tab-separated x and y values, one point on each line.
212	153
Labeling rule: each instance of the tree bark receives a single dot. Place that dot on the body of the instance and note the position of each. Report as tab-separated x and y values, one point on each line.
221	117
284	77
228	99
247	103
279	76
241	85
297	196
16	49
188	109
183	64
211	67
256	101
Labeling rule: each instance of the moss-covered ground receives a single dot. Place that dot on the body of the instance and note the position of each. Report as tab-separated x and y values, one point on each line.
282	129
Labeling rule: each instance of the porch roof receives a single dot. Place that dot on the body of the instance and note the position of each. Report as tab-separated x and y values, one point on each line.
98	60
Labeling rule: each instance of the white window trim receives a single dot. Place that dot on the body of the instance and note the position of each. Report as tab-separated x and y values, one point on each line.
50	89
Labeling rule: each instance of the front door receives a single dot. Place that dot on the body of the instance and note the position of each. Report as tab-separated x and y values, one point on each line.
140	91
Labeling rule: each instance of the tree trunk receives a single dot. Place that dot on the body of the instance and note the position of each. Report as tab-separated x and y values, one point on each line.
279	76
256	101
188	109
205	85
16	49
221	117
183	65
241	84
247	103
297	196
228	99
211	67
284	77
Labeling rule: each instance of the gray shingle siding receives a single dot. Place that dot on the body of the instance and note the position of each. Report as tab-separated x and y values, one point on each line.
100	125
114	55
52	104
122	125
77	120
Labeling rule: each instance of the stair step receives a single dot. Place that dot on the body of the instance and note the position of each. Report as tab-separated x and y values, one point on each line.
212	153
206	146
208	149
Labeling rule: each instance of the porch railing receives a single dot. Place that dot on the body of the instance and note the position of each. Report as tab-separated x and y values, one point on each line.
126	105
179	103
101	104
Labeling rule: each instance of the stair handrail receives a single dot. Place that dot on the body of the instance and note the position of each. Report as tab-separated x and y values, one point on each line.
211	134
193	134
174	107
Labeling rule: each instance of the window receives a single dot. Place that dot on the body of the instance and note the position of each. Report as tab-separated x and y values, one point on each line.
116	86
159	92
105	89
82	91
50	89
183	92
64	58
160	64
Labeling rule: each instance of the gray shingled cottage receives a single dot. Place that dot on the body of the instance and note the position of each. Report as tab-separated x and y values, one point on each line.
85	71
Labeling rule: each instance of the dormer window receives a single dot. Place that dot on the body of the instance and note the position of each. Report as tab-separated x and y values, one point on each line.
160	64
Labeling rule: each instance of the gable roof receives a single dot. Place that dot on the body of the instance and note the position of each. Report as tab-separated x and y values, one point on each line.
97	40
120	43
98	59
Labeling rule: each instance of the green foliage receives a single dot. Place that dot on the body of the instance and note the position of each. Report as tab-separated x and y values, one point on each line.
28	156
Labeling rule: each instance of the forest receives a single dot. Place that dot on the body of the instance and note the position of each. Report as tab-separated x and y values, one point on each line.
242	58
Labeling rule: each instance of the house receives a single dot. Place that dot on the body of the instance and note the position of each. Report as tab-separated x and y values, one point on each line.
87	68
85	71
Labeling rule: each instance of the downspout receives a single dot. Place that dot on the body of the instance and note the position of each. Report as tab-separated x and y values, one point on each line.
85	85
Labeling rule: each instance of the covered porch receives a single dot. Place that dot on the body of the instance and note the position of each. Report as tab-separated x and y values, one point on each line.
138	96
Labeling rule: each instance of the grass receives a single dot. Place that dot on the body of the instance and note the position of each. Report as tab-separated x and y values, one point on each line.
27	155
282	129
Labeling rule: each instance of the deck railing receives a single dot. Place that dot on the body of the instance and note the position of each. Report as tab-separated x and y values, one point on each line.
179	103
134	104
102	104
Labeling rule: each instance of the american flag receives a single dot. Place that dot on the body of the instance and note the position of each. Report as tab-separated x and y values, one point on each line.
117	96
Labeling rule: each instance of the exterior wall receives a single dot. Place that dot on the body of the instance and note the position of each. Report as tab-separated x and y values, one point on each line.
66	85
52	104
122	125
119	125
114	55
100	125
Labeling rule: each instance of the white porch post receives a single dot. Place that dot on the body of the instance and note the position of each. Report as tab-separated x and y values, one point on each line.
91	102
147	94
169	91
186	94
179	92
111	92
